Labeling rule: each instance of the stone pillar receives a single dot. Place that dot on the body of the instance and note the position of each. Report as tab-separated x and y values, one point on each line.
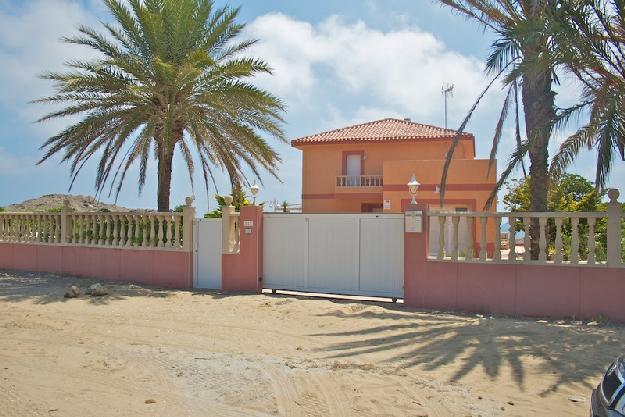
615	213
65	223
188	216
415	257
242	271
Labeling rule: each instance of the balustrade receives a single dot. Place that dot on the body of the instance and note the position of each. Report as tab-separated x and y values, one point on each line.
146	230
359	181
484	229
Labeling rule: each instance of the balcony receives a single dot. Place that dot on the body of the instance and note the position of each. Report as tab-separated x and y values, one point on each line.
359	181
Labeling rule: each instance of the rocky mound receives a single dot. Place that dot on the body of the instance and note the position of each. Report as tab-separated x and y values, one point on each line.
77	203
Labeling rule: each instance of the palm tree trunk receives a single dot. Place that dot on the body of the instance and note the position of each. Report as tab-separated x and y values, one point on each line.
538	105
165	166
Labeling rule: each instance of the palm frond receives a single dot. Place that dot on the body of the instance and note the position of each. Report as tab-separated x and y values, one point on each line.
171	71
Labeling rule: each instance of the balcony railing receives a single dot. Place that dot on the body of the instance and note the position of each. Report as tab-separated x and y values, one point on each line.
359	181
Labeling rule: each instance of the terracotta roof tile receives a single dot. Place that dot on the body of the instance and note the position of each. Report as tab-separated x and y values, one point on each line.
385	130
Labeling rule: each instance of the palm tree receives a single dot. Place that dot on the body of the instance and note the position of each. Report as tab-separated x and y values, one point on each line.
522	55
591	36
171	77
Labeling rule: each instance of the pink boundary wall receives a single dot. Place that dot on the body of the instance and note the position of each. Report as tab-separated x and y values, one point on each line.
511	289
243	271
161	268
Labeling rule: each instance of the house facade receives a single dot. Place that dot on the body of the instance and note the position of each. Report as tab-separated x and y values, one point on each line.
366	167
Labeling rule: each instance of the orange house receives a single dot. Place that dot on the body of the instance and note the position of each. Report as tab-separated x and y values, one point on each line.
366	168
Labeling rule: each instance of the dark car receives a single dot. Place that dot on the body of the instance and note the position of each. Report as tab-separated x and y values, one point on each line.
608	399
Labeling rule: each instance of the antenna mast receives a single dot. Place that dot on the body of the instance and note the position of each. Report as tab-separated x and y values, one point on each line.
447	90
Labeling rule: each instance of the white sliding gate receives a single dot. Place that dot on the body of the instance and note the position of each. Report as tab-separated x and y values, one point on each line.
207	254
360	254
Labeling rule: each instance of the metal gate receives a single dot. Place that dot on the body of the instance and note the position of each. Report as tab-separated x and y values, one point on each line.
207	254
359	254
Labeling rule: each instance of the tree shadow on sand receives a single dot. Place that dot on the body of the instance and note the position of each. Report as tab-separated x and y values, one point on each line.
572	353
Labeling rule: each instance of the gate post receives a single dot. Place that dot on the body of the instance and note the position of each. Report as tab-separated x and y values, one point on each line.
415	254
188	215
242	271
65	223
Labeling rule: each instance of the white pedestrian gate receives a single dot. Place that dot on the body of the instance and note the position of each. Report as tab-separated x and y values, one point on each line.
207	254
359	254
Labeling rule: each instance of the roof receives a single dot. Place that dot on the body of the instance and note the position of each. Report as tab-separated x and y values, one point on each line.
385	130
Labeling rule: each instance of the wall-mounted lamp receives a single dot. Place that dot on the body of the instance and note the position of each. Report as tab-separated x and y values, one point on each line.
413	187
254	189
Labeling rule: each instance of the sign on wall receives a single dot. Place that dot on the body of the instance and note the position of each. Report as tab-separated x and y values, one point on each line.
413	221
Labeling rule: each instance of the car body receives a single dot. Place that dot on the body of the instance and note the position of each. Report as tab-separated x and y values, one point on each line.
608	399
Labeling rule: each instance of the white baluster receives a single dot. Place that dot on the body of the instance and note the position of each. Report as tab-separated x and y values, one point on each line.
101	229
575	241
123	230
470	226
169	238
81	229
441	237
152	238
93	225
115	237
73	228
160	224
558	255
23	228
7	228
36	228
51	228
497	249
41	221
109	227
92	228
46	229
57	220
138	230
32	228
145	225
17	228
127	230
591	240
483	250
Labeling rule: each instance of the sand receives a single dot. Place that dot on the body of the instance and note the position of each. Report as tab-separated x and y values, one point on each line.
145	352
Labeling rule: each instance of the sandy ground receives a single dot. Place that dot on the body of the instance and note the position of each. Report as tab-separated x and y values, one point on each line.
144	352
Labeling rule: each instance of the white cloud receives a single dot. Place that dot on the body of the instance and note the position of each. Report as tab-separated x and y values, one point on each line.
30	45
402	70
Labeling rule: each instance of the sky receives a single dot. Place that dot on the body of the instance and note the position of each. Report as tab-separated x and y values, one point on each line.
335	63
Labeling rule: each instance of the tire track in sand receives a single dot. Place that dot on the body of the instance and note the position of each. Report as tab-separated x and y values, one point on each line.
298	394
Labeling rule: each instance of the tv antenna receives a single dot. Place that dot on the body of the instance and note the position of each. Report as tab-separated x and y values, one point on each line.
447	90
